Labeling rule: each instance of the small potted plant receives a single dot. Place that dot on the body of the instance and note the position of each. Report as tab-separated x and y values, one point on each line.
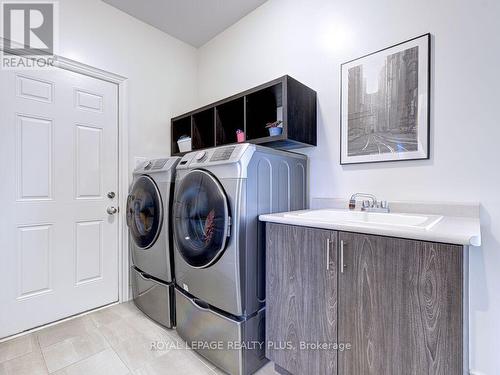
275	128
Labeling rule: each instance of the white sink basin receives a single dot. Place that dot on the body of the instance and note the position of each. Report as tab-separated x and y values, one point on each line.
414	221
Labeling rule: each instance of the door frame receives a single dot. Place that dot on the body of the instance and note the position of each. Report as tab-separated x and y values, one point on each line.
123	154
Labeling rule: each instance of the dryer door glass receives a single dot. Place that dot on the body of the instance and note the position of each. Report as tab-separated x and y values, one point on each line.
144	212
201	219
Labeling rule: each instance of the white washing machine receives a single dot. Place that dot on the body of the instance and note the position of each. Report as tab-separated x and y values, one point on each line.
219	244
148	218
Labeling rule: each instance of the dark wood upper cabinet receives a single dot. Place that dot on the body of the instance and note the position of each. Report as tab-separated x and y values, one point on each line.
283	99
301	287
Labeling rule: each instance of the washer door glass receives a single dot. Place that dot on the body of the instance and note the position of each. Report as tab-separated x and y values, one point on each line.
144	212
201	219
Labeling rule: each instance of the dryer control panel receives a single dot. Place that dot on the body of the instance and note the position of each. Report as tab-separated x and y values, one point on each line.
214	156
223	153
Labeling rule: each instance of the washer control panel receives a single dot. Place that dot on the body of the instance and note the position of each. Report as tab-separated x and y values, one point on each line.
156	165
159	163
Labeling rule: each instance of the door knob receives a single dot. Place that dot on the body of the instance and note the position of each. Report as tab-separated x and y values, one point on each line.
111	210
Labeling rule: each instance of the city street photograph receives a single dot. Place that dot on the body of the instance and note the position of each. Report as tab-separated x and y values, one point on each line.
384	104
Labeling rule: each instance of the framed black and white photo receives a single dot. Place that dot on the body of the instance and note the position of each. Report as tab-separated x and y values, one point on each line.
385	104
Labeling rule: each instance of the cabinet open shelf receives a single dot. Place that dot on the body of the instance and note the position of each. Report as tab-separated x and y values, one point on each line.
180	127
203	129
284	99
263	106
230	117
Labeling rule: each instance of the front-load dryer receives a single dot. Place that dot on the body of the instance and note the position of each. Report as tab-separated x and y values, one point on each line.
219	243
150	237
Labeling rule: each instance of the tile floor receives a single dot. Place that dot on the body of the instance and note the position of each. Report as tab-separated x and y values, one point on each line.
113	341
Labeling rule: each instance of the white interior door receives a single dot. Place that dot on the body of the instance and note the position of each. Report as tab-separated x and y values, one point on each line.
58	161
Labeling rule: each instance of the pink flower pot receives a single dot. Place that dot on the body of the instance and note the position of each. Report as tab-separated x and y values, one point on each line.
240	136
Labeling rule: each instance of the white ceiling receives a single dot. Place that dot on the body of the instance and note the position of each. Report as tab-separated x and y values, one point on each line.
192	21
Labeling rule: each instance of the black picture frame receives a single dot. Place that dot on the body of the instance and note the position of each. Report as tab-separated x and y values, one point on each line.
422	136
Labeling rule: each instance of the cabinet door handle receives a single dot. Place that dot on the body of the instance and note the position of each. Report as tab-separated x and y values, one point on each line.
341	263
328	253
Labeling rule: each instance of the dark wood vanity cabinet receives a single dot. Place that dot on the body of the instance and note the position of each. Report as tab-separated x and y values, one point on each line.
400	306
301	287
397	302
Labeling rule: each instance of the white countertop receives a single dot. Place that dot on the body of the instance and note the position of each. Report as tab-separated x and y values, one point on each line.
460	230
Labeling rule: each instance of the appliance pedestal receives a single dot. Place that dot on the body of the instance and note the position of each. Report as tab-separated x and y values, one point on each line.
235	345
154	298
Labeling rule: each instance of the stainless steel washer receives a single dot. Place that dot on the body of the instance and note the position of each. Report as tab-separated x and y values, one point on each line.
148	219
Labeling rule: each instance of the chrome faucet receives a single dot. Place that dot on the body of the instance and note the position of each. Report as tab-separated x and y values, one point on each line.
352	201
370	205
